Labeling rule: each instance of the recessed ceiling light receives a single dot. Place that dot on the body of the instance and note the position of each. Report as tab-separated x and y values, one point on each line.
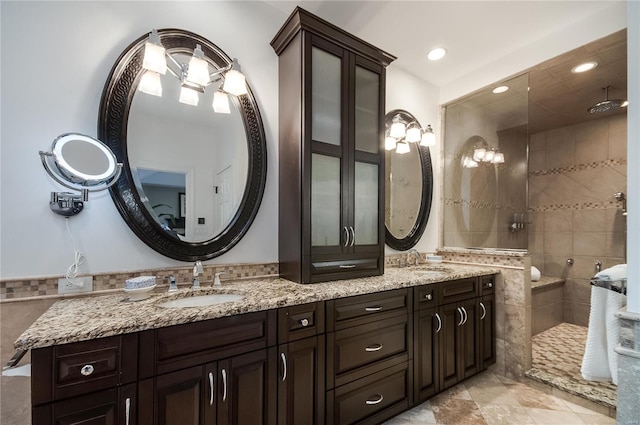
500	89
584	67
436	54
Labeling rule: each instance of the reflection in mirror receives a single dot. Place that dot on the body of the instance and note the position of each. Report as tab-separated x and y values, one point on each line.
208	149
408	188
220	157
485	167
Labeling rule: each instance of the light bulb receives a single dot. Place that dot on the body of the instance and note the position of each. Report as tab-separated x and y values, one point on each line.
398	128
414	135
198	72
498	158
154	54
188	96
235	83
390	143
402	148
221	102
428	137
488	156
478	154
150	83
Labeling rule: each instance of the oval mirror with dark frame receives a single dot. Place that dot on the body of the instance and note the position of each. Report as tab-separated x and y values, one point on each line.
409	187
192	179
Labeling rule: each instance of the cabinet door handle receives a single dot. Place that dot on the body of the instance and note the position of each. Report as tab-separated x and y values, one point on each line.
210	388
428	297
224	385
489	285
376	401
376	308
283	357
87	370
466	315
353	235
461	316
304	322
127	410
346	236
484	311
347	266
371	348
439	323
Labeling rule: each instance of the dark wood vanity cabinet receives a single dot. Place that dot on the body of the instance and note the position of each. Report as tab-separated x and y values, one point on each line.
369	357
331	153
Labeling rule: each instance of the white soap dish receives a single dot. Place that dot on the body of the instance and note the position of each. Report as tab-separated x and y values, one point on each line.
435	259
138	294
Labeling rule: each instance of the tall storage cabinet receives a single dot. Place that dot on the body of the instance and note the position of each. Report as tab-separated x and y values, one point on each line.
331	153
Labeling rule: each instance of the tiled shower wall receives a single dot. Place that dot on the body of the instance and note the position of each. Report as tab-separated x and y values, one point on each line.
574	172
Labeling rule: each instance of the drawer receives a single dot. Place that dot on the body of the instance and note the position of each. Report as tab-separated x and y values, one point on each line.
458	290
181	346
426	296
353	311
373	399
341	266
300	321
82	367
487	285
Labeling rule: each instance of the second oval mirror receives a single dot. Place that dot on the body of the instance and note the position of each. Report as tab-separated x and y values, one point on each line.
408	185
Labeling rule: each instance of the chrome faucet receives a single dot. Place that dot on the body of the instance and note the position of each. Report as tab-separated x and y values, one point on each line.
416	256
197	269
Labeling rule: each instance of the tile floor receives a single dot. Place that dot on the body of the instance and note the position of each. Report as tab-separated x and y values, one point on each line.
490	399
556	361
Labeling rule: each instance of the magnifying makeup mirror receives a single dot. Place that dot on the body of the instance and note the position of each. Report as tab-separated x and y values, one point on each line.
80	163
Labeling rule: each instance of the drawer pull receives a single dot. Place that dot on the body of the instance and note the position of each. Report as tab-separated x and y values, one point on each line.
439	323
376	308
284	366
127	410
376	401
466	315
428	297
224	385
346	236
372	348
304	322
210	388
484	311
461	316
347	266
353	236
87	370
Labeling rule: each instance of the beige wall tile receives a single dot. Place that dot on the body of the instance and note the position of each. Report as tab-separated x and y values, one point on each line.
560	150
617	222
556	266
593	244
537	160
590	221
618	136
581	314
592	141
615	244
558	243
567	308
558	221
537	141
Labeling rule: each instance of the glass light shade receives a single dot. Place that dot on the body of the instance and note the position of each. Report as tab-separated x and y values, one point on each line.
402	148
221	103
390	143
469	163
198	72
235	83
188	96
414	135
154	59
428	137
398	130
498	158
150	83
488	156
478	154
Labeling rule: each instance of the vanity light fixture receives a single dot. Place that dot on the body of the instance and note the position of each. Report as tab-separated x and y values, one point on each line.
584	67
400	134
221	102
194	76
482	154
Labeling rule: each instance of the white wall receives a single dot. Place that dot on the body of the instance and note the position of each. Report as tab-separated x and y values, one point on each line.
56	57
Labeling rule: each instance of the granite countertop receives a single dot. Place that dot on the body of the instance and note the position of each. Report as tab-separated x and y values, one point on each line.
547	281
81	319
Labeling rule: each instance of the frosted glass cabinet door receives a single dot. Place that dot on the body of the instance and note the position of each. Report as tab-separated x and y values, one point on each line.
325	200
326	71
367	114
366	204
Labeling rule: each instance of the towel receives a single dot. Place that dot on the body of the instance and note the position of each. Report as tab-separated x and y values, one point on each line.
535	274
600	361
617	272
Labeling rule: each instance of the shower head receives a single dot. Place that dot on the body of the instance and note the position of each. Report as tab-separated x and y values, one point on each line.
607	105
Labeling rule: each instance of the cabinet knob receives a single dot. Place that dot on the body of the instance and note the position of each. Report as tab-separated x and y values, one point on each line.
304	322
87	370
428	297
489	285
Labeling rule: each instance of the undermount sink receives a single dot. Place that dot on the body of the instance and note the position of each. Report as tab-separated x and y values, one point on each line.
201	300
432	270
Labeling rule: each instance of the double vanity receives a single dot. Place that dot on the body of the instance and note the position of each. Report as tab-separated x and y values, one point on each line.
351	351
